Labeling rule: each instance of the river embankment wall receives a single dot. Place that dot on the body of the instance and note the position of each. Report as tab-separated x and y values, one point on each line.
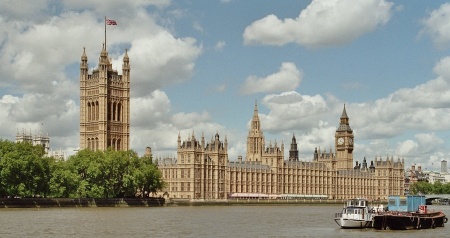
80	202
152	202
256	202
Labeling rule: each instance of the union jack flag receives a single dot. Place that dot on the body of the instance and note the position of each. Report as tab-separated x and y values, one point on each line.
110	22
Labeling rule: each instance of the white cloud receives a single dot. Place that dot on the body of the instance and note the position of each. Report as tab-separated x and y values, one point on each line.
286	79
437	25
147	111
159	61
27	65
407	147
292	111
220	45
322	23
38	114
190	120
198	27
220	88
23	10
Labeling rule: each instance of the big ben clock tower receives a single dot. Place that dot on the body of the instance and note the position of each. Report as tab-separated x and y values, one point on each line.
344	143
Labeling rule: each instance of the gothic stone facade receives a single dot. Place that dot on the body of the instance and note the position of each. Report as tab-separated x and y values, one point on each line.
104	105
203	171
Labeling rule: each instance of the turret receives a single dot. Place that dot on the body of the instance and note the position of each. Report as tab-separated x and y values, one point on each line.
84	65
126	67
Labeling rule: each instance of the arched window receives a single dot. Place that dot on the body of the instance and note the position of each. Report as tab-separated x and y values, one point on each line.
96	111
119	112
88	111
109	111
115	112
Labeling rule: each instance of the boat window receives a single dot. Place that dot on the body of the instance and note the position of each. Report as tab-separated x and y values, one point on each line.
402	201
391	202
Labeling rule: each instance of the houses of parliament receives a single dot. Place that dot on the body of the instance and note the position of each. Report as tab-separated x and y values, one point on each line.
202	169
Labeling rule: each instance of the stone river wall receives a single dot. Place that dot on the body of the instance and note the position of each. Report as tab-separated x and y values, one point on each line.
80	202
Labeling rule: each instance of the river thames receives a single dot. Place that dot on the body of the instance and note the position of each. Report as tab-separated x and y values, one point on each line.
193	221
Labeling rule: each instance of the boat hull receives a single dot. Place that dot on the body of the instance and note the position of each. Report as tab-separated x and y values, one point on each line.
408	221
353	224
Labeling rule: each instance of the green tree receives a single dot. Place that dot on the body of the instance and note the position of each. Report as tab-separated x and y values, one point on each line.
421	187
438	188
88	165
24	169
149	178
64	182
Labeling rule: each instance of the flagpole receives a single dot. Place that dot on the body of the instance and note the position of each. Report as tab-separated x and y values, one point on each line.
105	33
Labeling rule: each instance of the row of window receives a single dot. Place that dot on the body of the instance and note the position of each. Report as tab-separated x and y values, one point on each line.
114	111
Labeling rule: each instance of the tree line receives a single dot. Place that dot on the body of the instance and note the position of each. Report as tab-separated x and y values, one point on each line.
424	187
26	172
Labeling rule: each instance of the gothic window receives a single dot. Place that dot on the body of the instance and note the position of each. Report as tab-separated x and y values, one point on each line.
114	111
96	111
108	111
88	111
119	112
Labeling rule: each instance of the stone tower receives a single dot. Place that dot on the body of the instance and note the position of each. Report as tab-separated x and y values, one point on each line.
255	139
344	143
104	105
293	151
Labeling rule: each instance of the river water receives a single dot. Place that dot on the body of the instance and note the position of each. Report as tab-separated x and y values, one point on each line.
199	221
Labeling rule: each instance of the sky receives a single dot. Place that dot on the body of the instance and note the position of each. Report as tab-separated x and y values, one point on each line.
199	66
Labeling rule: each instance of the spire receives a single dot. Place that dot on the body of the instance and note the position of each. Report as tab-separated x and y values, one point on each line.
217	135
125	57
344	122
344	113
83	65
255	111
84	56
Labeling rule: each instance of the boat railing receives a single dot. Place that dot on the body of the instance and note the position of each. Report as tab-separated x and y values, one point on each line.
337	215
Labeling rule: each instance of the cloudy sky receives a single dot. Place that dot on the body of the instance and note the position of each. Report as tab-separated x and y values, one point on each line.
199	66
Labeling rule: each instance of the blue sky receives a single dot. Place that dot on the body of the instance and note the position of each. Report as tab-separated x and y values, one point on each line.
199	66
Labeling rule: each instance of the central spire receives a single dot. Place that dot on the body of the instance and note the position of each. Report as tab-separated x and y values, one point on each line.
255	125
255	112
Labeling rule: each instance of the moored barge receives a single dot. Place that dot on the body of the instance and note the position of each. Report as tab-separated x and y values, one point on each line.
406	213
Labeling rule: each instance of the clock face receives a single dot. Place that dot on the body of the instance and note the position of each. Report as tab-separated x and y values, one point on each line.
350	141
340	141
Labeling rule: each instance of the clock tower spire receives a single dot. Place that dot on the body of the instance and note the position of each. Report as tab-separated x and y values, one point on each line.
344	143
